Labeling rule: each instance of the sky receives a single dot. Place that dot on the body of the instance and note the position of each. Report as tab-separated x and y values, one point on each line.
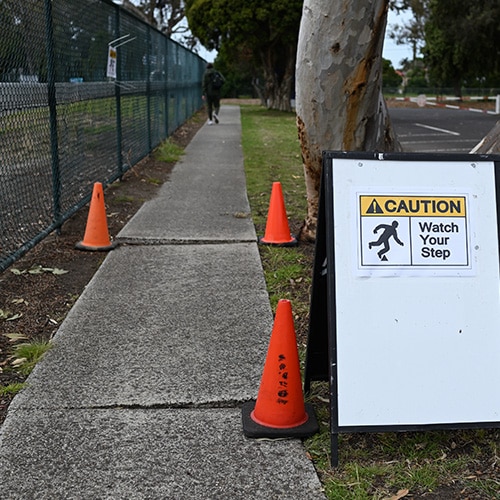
396	53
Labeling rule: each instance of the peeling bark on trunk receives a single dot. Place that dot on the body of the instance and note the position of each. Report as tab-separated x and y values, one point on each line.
339	99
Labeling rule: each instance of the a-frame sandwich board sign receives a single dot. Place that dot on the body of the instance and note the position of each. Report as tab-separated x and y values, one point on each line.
405	303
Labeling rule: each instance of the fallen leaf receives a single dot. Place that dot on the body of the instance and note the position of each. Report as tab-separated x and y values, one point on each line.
20	301
58	272
4	314
241	215
324	400
19	361
14	337
35	270
14	317
16	271
398	495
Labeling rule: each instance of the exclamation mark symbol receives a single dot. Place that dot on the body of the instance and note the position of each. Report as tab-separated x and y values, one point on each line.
374	208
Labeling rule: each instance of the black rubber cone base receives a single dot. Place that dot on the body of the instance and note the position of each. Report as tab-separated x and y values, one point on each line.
292	243
252	429
81	246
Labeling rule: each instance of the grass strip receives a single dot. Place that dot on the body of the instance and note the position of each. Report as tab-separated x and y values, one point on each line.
444	464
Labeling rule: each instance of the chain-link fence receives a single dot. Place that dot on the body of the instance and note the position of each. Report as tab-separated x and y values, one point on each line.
66	121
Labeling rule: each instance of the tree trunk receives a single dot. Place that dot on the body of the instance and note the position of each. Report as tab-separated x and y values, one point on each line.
278	67
491	143
339	99
259	90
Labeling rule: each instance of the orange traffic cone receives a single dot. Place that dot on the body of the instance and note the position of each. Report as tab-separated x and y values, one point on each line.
96	233
277	229
280	410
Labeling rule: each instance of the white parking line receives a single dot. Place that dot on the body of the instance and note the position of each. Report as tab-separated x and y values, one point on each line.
437	129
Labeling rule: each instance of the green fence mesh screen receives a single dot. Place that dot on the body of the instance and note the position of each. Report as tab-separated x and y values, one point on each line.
66	121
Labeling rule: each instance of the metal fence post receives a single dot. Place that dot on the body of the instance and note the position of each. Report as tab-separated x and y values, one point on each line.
148	86
118	101
52	102
166	86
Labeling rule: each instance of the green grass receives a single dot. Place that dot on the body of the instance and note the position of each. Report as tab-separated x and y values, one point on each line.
371	466
154	181
272	154
28	354
168	152
11	389
123	198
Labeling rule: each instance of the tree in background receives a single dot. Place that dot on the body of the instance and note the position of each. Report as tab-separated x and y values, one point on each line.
339	99
391	79
166	15
265	31
462	41
241	74
411	32
22	52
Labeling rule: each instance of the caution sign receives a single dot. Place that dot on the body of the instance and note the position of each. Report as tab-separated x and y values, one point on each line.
405	301
425	232
111	66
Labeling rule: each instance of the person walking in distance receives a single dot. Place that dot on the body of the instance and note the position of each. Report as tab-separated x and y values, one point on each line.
212	84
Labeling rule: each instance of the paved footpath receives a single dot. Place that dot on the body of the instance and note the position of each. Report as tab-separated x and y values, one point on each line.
140	397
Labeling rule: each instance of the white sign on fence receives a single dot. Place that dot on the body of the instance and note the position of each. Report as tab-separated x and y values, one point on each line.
111	68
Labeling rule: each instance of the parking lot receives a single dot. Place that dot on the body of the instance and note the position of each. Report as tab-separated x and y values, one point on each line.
440	130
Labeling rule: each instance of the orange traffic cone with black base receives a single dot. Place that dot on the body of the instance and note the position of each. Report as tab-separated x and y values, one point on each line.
96	237
280	410
277	228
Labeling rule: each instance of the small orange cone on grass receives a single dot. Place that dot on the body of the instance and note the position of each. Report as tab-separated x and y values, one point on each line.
279	410
277	228
96	237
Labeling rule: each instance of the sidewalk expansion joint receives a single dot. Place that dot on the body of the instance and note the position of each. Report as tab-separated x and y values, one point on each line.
165	242
214	405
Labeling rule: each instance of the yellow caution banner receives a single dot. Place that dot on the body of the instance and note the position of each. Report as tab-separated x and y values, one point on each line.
418	206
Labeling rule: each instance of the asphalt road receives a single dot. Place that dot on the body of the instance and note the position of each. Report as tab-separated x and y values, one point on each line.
439	129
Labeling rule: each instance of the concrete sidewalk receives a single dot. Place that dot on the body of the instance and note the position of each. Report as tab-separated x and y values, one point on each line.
141	395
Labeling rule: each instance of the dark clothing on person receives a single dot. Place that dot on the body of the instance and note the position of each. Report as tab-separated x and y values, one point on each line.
211	94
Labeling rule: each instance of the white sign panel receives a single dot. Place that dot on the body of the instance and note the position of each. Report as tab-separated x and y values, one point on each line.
417	292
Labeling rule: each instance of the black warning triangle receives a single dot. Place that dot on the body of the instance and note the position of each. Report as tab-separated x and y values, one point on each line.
374	208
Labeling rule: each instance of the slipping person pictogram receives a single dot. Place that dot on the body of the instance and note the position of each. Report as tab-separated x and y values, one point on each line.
389	231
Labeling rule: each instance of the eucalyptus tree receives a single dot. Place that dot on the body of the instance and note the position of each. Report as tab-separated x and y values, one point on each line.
339	98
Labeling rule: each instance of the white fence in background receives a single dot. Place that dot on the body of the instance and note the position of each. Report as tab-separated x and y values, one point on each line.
423	100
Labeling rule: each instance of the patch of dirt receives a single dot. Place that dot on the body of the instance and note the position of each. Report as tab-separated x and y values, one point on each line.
33	304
